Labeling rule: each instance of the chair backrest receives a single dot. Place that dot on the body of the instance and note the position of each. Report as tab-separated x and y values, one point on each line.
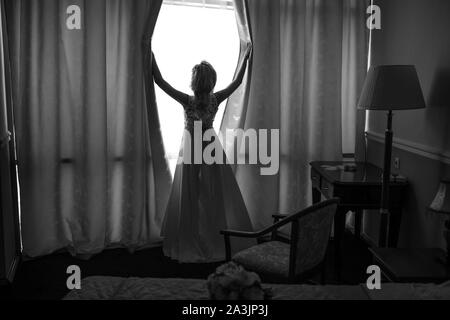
313	233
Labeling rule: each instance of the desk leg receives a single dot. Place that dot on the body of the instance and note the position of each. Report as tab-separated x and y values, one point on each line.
339	229
395	220
358	222
316	196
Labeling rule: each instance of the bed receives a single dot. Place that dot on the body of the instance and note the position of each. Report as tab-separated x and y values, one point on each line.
111	288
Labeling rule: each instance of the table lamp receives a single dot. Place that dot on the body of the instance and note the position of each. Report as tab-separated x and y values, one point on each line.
441	205
388	88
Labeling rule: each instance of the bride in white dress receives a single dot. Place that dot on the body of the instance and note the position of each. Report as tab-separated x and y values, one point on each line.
205	198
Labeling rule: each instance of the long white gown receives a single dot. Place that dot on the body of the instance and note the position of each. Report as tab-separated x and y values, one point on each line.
204	200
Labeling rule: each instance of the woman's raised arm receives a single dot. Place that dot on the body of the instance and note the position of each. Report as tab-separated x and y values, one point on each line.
224	94
165	86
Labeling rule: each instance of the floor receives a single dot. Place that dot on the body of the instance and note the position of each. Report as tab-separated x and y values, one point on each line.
45	278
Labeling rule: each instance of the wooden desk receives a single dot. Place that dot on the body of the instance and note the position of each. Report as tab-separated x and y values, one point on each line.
412	265
358	191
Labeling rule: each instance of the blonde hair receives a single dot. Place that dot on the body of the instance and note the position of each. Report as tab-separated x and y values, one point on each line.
204	79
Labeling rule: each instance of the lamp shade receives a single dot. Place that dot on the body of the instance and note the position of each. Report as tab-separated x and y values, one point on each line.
441	203
392	87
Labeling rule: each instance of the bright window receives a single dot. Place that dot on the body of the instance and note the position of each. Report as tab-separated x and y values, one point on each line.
186	33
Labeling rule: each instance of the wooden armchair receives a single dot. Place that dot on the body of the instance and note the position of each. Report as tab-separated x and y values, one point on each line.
302	256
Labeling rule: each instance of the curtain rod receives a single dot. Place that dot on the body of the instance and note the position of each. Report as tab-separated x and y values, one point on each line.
226	5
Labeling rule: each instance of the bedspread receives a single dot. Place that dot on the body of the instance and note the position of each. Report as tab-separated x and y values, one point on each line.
110	288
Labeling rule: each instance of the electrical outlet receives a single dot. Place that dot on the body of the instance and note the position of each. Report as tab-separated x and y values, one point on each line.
397	163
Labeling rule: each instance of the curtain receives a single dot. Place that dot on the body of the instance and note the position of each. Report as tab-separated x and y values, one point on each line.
9	240
203	3
309	60
234	115
91	161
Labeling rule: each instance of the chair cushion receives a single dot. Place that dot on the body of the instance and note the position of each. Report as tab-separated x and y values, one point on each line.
270	258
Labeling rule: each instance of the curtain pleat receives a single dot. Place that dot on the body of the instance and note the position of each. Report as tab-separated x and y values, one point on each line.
9	223
308	62
355	50
91	160
234	115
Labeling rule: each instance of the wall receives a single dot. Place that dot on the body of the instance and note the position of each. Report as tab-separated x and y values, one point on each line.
416	32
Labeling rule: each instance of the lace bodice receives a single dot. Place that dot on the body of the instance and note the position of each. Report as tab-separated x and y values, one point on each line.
193	113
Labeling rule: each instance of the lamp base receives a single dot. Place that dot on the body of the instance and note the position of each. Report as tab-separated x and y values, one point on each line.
384	225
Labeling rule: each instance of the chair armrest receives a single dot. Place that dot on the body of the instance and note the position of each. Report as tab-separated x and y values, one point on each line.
278	217
258	234
285	221
242	234
239	234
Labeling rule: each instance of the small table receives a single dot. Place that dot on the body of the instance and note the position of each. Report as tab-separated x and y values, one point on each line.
358	190
412	265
